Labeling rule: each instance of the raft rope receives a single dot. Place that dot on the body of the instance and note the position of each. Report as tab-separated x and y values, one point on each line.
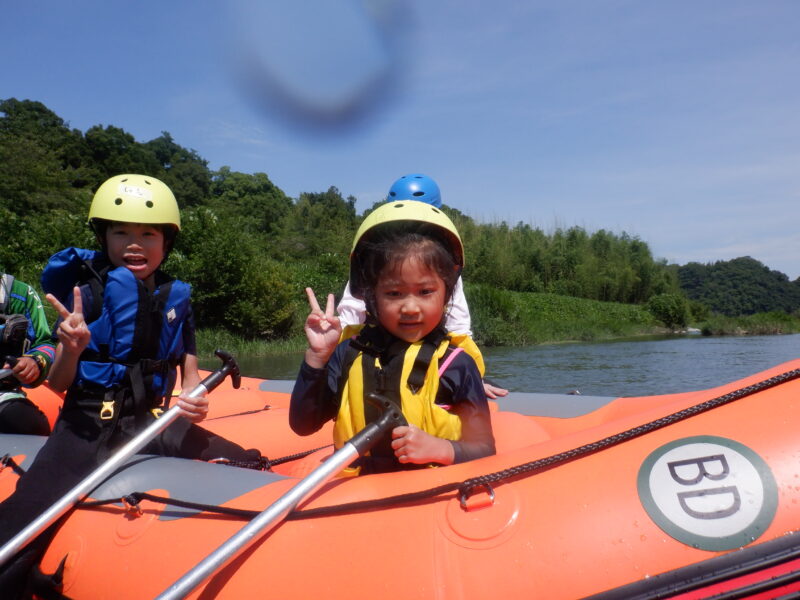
467	487
244	412
265	464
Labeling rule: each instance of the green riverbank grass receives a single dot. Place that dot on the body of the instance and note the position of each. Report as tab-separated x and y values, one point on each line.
769	323
504	318
499	318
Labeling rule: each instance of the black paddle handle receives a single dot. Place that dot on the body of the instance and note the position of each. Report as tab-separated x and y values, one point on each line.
391	417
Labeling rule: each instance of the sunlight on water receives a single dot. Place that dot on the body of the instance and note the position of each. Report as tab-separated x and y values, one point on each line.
636	368
622	368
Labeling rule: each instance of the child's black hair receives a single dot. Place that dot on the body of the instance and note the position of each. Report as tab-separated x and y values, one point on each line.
388	245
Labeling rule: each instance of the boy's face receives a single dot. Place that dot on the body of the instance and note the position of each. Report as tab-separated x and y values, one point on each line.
410	300
135	246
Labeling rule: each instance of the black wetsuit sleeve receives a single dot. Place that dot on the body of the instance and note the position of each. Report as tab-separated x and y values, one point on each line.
461	388
314	396
189	337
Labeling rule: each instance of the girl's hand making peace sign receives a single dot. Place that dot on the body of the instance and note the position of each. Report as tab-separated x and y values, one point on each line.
322	331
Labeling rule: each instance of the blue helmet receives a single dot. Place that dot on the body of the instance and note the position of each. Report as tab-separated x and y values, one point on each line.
416	187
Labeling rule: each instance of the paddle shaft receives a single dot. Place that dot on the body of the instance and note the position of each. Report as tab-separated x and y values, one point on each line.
262	524
82	489
270	518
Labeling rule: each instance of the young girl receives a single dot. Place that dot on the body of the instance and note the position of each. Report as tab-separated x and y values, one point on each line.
406	259
352	311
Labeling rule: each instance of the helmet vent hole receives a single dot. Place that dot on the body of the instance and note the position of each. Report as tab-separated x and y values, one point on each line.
398	205
149	204
419	193
147	182
118	201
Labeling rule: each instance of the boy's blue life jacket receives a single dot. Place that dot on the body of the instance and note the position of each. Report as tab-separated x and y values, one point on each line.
137	336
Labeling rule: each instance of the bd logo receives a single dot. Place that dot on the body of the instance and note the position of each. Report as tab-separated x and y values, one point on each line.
708	492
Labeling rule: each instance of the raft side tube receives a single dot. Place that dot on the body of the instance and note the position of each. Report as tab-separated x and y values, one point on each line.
189	480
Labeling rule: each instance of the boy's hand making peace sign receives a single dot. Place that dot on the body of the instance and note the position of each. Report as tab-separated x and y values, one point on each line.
323	330
72	332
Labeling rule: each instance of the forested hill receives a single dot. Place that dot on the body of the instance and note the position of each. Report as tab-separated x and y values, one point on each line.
249	250
742	286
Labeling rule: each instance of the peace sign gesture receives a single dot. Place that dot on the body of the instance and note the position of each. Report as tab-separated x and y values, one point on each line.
322	331
73	333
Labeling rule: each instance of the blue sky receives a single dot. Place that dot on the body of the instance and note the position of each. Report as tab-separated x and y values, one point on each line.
673	121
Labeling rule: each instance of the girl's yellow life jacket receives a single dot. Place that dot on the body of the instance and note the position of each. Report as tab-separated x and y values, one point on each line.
419	408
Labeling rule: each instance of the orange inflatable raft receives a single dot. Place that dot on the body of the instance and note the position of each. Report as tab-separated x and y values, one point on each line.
687	495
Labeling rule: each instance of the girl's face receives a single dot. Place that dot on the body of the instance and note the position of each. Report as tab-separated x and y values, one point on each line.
410	300
135	246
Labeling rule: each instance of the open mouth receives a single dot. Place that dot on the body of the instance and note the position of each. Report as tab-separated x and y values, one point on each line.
135	262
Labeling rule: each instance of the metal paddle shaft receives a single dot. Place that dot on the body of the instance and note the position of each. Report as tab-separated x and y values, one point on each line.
82	489
275	513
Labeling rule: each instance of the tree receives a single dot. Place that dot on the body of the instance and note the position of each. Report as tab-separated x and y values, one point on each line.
40	159
114	151
670	309
741	286
233	285
261	206
185	172
321	222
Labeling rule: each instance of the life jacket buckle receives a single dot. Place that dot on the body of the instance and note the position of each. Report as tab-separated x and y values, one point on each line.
107	410
157	412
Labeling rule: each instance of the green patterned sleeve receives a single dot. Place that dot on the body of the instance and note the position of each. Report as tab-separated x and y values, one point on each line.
25	301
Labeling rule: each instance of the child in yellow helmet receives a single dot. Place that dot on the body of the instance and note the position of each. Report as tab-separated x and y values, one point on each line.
406	259
125	329
352	311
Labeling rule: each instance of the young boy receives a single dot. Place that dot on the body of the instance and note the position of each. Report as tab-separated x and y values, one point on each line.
123	333
27	352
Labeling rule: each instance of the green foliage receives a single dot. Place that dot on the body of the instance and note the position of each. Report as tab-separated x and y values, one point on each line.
234	286
249	250
571	262
742	286
40	161
319	223
698	311
325	275
769	323
184	171
670	309
35	239
501	317
259	204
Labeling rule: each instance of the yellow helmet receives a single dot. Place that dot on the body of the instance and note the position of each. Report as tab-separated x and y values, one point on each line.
412	210
135	199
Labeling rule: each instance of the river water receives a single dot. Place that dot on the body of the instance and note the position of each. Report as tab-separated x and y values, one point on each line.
640	367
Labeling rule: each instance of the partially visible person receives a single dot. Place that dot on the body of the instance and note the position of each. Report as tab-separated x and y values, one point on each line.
352	310
406	259
27	353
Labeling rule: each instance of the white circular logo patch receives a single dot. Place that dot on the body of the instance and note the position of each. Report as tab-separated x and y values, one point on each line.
708	492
